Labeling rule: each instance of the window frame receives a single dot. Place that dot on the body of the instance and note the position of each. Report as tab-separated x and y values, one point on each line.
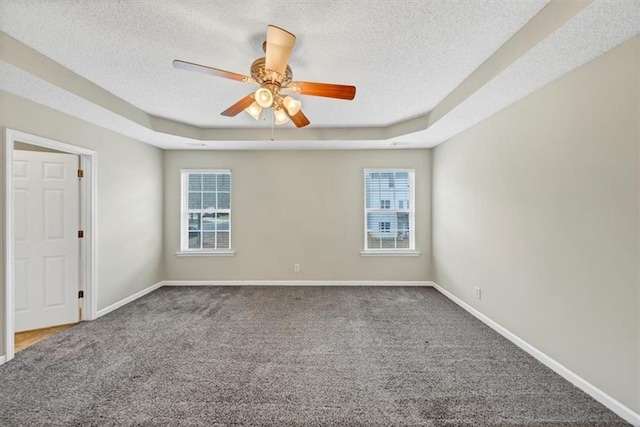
184	215
410	209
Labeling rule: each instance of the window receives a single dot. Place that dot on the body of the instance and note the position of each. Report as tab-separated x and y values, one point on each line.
206	211
389	210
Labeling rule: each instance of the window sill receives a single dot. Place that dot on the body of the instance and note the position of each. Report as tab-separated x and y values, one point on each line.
206	253
390	253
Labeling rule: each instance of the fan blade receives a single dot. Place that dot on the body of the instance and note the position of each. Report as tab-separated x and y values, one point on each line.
238	107
212	71
299	119
279	46
328	90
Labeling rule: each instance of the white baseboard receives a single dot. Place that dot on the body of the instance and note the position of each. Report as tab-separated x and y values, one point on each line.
2	360
294	283
128	299
593	391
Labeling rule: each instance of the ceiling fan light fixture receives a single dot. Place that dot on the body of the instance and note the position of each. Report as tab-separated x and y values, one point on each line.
254	110
292	105
281	116
264	97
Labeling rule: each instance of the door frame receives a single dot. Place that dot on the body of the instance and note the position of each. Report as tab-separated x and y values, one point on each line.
88	221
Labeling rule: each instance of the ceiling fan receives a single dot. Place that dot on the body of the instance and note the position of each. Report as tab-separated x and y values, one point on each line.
273	74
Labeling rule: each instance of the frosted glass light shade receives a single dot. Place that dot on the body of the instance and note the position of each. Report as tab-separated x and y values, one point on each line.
281	116
292	105
264	97
254	110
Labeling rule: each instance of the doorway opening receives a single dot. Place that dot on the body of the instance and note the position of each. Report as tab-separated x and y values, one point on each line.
84	248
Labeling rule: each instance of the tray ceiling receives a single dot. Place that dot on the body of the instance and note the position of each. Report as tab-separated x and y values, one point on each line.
405	57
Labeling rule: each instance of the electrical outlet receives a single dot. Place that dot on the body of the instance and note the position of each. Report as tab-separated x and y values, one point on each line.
296	268
478	293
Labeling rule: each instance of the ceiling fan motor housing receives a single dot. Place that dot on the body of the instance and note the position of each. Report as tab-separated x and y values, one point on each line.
262	75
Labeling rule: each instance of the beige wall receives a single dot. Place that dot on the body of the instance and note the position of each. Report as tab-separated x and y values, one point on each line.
298	207
130	196
2	243
539	206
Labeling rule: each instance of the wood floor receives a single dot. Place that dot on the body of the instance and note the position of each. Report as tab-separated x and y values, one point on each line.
27	338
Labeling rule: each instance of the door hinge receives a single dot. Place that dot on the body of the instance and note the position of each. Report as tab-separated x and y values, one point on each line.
80	294
80	234
80	173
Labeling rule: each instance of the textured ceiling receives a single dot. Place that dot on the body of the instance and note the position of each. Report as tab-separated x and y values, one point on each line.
596	30
404	57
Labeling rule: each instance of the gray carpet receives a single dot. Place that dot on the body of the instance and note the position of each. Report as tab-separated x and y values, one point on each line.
277	356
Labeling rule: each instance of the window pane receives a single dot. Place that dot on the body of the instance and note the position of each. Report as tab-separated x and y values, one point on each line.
389	242
223	221
386	180
194	221
224	182
404	196
195	182
372	220
223	240
208	240
209	222
208	200
195	200
224	201
209	182
194	240
402	180
369	199
372	190
373	242
403	243
402	221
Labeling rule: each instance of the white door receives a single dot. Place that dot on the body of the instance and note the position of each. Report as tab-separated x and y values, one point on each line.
46	216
